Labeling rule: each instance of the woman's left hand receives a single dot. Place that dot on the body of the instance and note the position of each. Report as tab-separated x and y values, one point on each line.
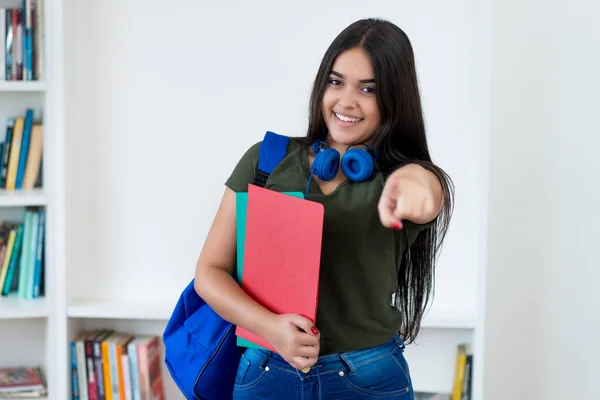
410	193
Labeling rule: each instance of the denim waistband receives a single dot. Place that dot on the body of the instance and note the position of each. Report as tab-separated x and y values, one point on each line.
346	361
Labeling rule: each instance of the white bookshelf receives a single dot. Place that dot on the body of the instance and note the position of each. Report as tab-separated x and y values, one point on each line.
32	329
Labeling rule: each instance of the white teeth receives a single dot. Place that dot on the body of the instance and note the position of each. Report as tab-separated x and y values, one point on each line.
347	119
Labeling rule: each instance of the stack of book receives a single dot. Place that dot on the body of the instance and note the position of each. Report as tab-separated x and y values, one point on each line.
21	42
461	386
112	365
21	152
22	382
22	255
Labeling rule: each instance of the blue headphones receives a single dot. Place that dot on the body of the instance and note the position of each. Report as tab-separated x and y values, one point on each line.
358	164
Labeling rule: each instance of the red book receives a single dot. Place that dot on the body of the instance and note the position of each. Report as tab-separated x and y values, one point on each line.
282	254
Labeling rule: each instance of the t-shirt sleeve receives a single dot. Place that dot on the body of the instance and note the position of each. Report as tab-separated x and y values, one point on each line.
412	230
244	171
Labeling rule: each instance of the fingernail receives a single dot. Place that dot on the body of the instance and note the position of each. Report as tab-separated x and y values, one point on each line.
396	226
314	331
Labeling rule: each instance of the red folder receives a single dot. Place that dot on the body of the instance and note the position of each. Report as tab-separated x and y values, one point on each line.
282	254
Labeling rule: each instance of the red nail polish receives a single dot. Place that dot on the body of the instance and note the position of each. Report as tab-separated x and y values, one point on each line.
314	330
396	226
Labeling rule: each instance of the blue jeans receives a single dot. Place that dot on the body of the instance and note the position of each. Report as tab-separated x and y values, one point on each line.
380	372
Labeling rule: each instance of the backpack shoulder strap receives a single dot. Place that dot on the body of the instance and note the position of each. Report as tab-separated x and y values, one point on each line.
272	150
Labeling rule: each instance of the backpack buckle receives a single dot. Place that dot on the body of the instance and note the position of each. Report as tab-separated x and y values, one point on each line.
260	179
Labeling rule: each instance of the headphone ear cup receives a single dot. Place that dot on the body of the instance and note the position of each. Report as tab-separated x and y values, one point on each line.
326	164
358	164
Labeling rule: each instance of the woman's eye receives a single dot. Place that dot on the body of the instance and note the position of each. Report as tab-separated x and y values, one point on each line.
334	82
369	90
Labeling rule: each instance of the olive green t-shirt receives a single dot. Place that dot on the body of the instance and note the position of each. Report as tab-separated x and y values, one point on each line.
359	258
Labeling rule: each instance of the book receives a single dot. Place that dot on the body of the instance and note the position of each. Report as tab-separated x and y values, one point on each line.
461	385
282	254
241	208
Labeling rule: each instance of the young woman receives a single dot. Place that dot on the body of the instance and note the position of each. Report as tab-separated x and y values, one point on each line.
381	233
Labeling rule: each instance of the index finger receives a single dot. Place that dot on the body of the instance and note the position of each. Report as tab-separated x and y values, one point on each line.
387	206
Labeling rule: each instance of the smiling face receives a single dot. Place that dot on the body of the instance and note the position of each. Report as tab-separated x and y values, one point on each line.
349	104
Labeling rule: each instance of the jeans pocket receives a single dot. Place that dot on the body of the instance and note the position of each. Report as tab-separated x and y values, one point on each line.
248	374
403	364
381	377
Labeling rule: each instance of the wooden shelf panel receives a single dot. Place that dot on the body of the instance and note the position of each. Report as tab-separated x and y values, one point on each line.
13	307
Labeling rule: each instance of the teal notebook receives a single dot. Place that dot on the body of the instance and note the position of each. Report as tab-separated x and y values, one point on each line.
241	206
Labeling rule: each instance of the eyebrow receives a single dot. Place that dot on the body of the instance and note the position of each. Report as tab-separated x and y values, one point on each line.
361	81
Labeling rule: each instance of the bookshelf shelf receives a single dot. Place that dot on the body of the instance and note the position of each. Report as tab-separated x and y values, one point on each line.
120	310
19	198
449	320
13	307
18	86
162	312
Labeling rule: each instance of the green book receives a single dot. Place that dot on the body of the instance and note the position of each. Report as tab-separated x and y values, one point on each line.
241	207
25	254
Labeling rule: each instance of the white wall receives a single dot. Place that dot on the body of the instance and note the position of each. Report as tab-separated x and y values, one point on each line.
163	100
157	109
543	314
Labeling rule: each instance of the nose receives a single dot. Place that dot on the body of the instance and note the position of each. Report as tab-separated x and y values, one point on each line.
347	98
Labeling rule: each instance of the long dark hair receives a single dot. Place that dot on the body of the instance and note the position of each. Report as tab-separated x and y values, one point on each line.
399	140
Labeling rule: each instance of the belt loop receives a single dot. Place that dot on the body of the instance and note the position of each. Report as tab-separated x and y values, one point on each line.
264	357
399	341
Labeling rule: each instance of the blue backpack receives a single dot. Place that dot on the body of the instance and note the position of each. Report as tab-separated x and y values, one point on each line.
201	351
